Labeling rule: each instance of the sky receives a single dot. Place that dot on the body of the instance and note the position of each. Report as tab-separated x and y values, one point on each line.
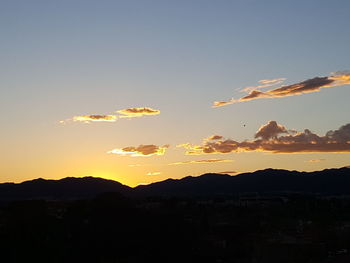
141	91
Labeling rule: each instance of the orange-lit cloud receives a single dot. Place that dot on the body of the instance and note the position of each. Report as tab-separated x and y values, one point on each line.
264	83
142	150
269	139
92	118
153	173
126	113
227	172
271	81
214	137
137	112
316	160
202	161
270	130
223	103
307	86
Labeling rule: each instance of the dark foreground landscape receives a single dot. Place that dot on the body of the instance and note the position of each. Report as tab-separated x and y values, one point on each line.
266	216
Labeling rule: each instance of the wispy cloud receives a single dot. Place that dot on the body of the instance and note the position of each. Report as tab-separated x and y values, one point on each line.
92	118
125	113
153	173
264	83
269	138
141	150
214	137
272	81
227	172
307	86
223	103
316	160
137	112
203	161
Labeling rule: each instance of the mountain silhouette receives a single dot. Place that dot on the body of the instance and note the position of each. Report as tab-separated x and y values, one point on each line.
326	182
67	188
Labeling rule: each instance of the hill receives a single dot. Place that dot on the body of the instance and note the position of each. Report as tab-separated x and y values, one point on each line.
67	188
326	182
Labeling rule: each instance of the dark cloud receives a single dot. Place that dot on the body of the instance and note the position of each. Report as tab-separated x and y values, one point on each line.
310	85
214	137
307	86
340	135
138	112
142	150
269	139
270	130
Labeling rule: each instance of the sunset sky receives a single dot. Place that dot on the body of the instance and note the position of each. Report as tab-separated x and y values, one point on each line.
141	91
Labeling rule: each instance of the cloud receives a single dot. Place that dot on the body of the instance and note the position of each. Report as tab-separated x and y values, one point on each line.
227	172
137	112
203	161
264	83
223	103
270	130
153	173
126	113
269	139
92	118
307	86
340	135
316	160
272	81
141	150
214	137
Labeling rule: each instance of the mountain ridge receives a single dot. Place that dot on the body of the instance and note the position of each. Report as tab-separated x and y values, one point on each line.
334	181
